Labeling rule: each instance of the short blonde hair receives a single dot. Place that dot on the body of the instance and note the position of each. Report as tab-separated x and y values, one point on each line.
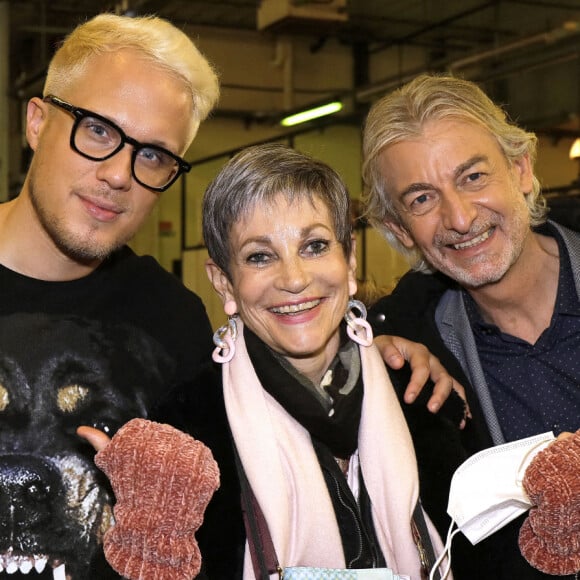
402	115
155	39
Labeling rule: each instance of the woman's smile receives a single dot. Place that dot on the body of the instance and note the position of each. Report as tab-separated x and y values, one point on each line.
293	309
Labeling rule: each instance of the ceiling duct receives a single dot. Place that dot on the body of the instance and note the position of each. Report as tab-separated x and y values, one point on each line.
301	16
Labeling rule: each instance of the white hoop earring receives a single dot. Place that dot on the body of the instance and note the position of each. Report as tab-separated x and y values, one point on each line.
358	329
224	339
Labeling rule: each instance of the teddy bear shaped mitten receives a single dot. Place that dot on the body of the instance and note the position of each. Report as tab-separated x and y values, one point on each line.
550	536
163	480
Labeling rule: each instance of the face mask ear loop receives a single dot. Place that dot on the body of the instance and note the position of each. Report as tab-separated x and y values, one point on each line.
446	552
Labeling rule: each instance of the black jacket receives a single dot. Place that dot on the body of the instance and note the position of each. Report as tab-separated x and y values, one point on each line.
409	311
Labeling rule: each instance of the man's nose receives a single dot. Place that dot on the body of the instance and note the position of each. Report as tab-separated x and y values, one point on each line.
116	170
457	211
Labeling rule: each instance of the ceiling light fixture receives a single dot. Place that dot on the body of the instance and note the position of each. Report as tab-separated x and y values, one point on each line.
309	114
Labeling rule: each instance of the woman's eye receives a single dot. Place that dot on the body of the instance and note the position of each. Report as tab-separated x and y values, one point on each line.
258	258
317	247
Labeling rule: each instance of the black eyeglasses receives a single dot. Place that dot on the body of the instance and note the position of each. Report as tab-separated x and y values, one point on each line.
97	138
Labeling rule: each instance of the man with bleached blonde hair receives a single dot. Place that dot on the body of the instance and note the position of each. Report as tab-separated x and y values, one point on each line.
109	334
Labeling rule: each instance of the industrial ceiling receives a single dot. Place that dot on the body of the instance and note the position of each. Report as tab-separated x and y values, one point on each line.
524	51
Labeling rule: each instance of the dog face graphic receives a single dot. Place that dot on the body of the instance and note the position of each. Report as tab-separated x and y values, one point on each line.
57	374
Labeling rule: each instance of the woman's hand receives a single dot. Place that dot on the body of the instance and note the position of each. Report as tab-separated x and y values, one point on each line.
96	438
395	350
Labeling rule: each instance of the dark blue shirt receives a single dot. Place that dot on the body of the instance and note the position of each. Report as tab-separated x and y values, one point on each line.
535	387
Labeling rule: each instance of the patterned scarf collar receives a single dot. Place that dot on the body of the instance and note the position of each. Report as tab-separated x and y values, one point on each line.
331	411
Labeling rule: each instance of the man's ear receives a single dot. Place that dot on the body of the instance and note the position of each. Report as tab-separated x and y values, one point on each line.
400	232
219	281
36	113
523	173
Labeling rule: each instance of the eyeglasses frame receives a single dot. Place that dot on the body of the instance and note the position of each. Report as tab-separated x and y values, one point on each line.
79	114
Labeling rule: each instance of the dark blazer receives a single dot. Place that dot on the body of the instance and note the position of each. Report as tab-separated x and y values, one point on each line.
410	311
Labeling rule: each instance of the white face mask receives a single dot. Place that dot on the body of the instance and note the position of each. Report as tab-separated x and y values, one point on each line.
486	491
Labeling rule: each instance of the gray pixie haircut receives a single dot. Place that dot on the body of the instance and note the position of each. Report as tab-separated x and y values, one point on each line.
402	115
256	176
156	40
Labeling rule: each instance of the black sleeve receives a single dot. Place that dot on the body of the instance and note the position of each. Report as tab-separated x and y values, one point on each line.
198	409
437	442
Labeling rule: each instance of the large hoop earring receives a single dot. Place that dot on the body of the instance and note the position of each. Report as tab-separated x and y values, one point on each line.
224	338
357	327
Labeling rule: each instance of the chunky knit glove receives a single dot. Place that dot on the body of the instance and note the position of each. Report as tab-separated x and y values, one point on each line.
163	480
550	535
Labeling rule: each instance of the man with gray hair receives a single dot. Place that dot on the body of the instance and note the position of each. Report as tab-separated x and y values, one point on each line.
494	291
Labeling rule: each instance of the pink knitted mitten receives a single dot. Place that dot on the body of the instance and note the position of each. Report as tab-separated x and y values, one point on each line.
163	480
550	536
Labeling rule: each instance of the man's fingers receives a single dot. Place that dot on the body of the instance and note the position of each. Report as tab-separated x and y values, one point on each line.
389	351
424	366
444	384
96	438
419	376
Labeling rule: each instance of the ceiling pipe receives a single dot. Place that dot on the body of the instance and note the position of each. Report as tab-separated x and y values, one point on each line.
365	95
566	30
284	57
437	25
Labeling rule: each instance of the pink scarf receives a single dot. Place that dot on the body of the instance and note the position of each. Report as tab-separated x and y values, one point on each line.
285	476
